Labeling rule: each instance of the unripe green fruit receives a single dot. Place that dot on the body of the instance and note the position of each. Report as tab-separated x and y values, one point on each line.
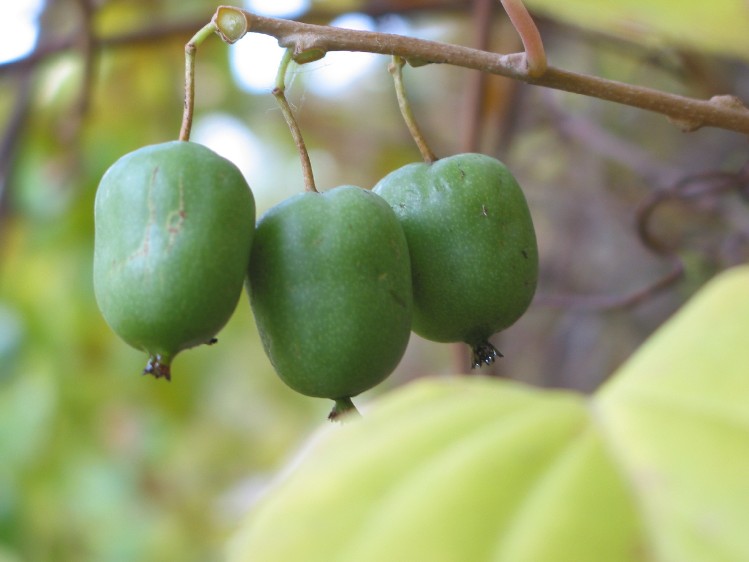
330	288
174	227
473	247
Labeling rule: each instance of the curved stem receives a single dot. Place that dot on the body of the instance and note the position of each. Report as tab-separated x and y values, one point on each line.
396	69
283	69
190	49
288	115
529	35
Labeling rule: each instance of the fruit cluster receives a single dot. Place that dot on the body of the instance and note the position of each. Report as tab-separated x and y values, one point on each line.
337	280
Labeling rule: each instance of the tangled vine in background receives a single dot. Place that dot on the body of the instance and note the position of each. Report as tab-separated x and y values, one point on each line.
698	191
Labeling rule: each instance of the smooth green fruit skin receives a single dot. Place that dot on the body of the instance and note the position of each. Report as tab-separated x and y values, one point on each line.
174	226
473	247
330	288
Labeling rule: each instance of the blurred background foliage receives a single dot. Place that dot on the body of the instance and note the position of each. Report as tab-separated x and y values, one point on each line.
98	463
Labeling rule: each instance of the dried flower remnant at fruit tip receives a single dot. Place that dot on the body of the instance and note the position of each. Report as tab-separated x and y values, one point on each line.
484	353
157	367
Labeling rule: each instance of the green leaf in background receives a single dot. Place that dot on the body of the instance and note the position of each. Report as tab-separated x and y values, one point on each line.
677	418
456	469
653	468
718	26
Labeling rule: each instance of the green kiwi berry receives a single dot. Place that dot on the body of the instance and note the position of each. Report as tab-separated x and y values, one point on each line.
473	249
330	289
174	226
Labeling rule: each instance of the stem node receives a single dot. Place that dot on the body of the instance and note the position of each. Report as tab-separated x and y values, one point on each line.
231	23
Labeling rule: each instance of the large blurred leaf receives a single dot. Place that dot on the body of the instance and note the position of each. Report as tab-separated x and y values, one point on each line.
719	26
653	468
677	418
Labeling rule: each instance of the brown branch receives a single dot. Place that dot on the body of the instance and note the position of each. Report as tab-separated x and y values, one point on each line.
473	95
153	34
725	112
88	52
162	31
597	139
611	302
10	139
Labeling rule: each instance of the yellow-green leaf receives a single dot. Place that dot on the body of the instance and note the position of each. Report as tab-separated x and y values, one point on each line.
718	26
677	418
445	470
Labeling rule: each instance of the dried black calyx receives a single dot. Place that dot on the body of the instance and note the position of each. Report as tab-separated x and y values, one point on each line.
483	353
157	367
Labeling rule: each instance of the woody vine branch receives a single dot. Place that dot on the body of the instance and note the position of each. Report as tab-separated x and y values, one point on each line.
310	42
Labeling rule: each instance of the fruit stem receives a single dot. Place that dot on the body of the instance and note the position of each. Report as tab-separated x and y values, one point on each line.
288	115
343	407
190	49
396	69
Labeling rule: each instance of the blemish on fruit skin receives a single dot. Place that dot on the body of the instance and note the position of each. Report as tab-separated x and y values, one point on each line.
176	218
145	245
397	298
484	211
525	253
